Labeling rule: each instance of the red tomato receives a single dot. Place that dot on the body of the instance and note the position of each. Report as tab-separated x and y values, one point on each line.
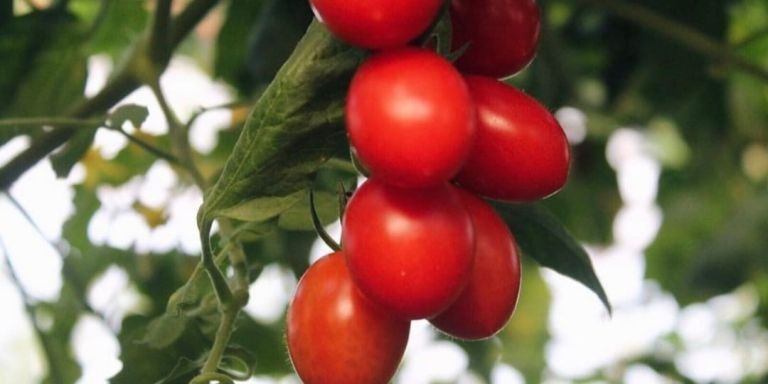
336	335
409	250
502	35
520	152
489	299
410	117
376	24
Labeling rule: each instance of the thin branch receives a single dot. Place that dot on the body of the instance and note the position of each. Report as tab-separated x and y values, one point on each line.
179	136
684	35
223	334
56	248
54	369
188	19
99	19
149	147
159	40
116	89
60	122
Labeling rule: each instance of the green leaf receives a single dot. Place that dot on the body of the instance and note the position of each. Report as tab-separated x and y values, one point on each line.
265	343
164	330
298	217
261	208
292	129
66	158
136	114
46	69
232	41
541	236
122	24
144	364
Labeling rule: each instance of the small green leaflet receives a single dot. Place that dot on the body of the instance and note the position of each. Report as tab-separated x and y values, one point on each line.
136	114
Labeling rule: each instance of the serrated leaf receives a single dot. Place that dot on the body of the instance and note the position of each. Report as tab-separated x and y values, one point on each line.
65	159
298	217
136	114
292	129
541	236
261	208
164	330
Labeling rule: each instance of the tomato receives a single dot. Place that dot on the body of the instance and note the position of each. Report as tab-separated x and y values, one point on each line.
502	35
410	250
410	117
336	335
487	303
376	24
520	152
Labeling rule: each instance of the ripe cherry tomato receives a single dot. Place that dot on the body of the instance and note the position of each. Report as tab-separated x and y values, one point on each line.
376	24
410	250
336	335
410	117
502	35
520	152
489	299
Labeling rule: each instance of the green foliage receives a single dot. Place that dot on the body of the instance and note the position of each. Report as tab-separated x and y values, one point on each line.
46	48
541	236
293	128
700	114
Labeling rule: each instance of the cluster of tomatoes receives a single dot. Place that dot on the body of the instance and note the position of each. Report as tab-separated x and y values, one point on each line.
417	241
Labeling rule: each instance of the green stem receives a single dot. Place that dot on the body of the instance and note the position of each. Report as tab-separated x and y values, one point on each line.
149	147
179	135
159	40
236	256
684	35
114	91
220	286
223	334
59	122
188	19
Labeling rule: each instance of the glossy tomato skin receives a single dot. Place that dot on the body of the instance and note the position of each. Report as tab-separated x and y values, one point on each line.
489	300
410	250
336	335
410	117
502	35
520	152
376	24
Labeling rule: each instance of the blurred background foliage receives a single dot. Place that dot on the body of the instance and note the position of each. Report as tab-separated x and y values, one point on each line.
704	115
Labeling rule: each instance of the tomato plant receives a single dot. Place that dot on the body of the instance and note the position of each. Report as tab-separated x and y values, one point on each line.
376	24
502	35
410	250
520	152
335	335
487	303
410	117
